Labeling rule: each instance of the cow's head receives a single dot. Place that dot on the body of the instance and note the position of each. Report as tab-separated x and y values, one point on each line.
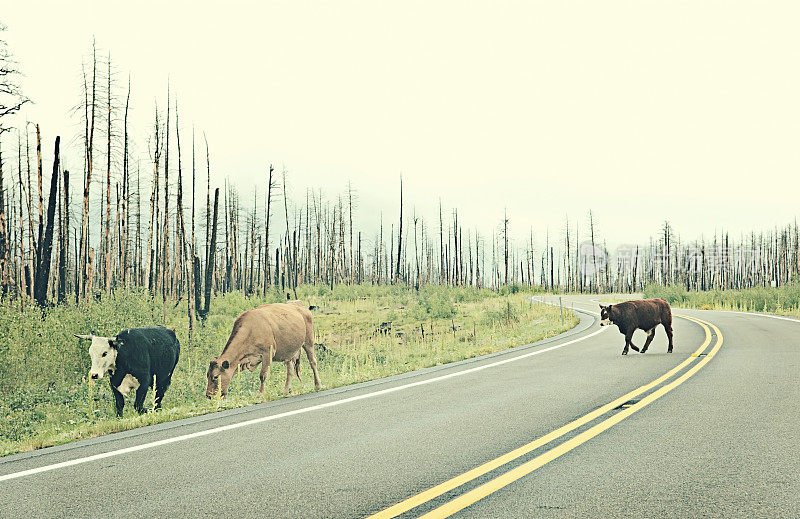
219	378
605	315
103	352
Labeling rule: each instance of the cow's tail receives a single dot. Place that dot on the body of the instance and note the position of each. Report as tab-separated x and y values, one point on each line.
297	367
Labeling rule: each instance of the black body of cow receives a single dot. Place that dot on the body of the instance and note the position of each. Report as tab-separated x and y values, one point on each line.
644	314
144	353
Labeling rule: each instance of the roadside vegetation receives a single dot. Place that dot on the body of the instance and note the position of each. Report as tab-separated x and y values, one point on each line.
362	332
783	300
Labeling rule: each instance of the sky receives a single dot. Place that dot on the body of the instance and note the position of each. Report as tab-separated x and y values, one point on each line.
640	111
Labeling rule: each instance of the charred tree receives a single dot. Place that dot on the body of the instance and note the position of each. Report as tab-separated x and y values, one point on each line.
210	260
46	244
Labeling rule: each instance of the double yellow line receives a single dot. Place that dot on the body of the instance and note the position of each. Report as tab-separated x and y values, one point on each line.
468	498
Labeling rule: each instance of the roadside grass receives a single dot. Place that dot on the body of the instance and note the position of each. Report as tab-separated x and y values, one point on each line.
47	399
784	300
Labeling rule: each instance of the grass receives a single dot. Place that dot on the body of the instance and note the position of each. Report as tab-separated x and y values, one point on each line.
784	300
47	399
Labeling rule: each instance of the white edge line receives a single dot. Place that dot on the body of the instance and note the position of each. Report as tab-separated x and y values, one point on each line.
781	317
135	448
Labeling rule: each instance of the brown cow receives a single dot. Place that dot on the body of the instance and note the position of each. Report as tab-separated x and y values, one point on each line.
270	332
643	314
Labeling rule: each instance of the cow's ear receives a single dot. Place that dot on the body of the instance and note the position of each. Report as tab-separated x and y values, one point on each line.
225	364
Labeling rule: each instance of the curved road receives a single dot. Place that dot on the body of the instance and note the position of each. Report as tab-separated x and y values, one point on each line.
565	427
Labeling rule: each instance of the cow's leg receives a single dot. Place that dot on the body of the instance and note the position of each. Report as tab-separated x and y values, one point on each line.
289	372
312	359
141	392
650	334
119	400
161	388
266	361
668	328
629	343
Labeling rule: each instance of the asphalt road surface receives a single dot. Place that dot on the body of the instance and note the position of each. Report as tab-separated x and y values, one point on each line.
566	427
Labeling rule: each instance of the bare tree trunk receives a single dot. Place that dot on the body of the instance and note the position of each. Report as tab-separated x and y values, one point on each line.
270	186
441	245
505	246
25	270
39	185
210	261
399	235
90	274
594	256
46	245
126	191
151	278
107	246
165	256
208	203
64	237
188	269
4	277
89	148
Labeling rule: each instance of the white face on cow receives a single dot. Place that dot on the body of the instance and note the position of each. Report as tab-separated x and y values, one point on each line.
605	315
103	352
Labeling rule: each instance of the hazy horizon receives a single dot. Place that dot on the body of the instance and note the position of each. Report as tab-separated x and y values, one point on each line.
639	112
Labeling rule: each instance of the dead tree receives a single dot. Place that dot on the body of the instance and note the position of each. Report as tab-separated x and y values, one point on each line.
107	238
4	275
126	205
63	250
11	97
46	244
87	182
400	235
165	255
210	262
153	206
186	270
267	213
505	246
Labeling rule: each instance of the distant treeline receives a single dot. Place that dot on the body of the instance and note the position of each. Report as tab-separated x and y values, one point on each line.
57	245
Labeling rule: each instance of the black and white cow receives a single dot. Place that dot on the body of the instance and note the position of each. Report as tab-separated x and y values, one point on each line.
133	358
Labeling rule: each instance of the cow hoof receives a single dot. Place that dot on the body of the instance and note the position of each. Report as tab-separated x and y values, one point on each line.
624	352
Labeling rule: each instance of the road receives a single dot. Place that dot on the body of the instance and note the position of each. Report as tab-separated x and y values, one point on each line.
562	428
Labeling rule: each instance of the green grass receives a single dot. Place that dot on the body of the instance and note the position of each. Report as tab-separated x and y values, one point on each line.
46	398
784	300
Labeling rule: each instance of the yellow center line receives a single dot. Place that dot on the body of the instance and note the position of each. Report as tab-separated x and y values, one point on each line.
509	477
442	488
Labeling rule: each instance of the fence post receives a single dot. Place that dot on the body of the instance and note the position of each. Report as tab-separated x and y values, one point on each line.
561	306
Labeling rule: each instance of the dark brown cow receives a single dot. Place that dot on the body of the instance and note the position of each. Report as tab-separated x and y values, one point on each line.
644	314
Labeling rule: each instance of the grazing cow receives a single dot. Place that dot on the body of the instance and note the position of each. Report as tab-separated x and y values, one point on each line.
270	332
133	358
643	314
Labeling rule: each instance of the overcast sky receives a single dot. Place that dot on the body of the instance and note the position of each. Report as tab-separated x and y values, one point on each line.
640	111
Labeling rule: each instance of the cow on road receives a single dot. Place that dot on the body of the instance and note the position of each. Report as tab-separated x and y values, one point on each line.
644	314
